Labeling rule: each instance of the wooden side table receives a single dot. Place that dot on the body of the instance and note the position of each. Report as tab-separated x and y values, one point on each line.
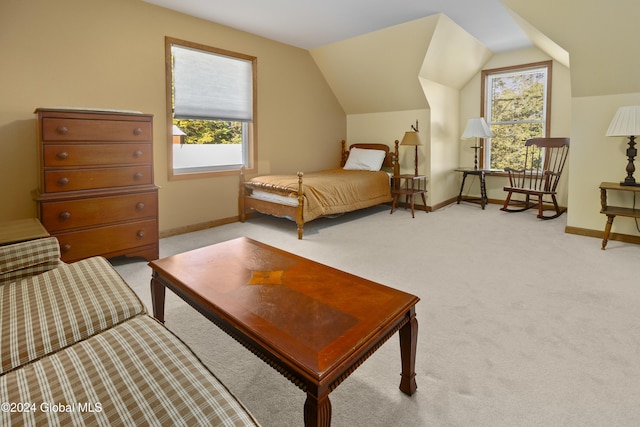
612	211
482	173
21	230
409	186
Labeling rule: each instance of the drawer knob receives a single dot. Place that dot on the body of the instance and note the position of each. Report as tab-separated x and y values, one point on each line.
64	216
62	155
139	206
62	130
65	248
63	181
140	234
137	131
137	176
137	154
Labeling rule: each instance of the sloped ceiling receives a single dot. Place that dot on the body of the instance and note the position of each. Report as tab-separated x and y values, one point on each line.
311	24
453	56
379	71
600	37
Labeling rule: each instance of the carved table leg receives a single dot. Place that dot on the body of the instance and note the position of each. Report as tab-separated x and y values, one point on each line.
317	411
424	202
483	191
464	177
408	341
158	291
607	230
394	202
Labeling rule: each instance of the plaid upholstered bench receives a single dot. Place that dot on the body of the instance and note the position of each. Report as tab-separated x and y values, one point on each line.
78	348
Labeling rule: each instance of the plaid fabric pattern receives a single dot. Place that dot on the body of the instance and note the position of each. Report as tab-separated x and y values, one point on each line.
45	313
26	259
135	374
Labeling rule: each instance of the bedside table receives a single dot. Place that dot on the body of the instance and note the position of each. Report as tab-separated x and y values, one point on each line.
612	211
409	186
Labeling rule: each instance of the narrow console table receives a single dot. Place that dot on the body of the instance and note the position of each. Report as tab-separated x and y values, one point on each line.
612	211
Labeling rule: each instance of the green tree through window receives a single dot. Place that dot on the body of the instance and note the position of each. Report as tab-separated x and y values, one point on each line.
210	131
515	102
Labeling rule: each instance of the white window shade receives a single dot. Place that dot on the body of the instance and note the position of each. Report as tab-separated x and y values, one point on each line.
209	86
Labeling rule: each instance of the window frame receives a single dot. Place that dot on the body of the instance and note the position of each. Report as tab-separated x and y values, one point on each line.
249	152
510	69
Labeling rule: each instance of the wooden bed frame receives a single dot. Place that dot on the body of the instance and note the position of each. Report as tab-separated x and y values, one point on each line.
248	204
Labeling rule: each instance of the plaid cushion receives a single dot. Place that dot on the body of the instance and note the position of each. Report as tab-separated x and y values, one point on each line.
44	313
28	258
135	374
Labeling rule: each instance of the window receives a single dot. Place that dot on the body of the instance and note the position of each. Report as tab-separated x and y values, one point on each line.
516	105
211	99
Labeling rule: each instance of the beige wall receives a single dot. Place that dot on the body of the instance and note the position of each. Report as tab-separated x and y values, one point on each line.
596	158
110	54
387	127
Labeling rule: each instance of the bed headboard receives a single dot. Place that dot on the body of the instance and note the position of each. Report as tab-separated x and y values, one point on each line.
390	159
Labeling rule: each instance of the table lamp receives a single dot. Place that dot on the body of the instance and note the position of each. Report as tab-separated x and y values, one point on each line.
411	138
626	122
476	128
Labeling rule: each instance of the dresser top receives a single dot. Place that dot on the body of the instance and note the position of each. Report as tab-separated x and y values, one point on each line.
84	110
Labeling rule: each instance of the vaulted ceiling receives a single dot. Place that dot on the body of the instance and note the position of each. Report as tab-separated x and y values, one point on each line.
311	24
599	37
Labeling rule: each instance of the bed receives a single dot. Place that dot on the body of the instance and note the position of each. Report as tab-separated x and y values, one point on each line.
361	181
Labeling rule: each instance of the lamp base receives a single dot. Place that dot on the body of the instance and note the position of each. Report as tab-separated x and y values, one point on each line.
475	156
631	154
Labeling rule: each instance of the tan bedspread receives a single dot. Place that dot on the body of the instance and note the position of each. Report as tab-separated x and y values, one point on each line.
331	191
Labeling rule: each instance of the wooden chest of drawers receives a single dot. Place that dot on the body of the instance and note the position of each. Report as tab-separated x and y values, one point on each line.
97	194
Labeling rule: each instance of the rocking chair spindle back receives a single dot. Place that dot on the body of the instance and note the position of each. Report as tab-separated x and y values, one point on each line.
539	177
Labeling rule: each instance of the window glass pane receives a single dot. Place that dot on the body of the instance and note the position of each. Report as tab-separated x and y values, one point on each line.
518	97
507	145
211	96
516	111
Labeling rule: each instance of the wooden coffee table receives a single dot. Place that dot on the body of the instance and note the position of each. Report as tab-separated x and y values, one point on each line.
314	324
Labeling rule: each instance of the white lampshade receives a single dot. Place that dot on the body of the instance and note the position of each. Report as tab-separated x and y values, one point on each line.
477	128
626	122
411	138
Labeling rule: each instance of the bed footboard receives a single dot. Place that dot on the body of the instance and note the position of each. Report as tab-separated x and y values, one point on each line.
248	204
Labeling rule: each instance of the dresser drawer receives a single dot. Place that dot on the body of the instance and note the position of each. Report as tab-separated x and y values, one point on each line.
71	214
86	179
108	240
62	129
96	154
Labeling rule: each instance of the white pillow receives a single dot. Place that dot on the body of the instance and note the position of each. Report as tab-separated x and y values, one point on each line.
364	159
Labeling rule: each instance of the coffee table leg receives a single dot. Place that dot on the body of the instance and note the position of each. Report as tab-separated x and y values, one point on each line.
408	341
317	411
158	291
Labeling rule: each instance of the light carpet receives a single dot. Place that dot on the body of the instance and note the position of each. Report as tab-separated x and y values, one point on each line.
520	324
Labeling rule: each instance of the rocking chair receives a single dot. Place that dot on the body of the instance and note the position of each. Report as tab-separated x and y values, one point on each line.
539	177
